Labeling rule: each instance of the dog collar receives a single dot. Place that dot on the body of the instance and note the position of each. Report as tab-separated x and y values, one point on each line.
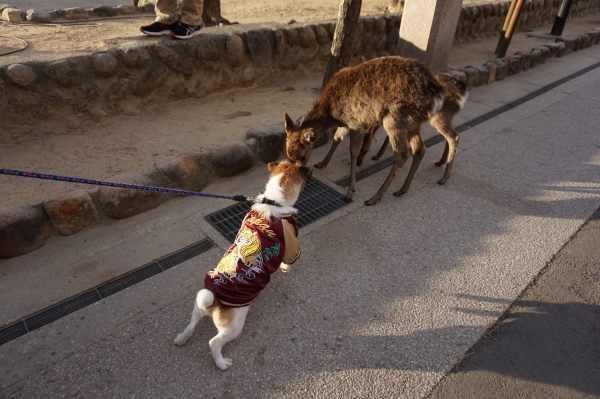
267	201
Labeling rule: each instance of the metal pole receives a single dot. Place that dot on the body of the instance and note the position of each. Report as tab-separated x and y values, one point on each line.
561	18
510	30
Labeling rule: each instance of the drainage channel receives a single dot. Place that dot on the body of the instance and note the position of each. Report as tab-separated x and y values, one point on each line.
64	308
438	138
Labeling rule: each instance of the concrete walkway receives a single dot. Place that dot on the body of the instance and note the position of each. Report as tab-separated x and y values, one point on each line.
384	301
546	346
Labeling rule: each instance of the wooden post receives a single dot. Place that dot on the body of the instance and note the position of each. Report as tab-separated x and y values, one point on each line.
511	9
341	48
510	30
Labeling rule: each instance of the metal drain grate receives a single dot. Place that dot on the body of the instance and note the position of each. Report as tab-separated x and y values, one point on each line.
315	202
84	299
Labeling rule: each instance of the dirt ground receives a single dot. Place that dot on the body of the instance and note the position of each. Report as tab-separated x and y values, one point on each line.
130	143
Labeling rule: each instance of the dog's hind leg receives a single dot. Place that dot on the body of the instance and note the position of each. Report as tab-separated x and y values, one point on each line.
229	322
203	299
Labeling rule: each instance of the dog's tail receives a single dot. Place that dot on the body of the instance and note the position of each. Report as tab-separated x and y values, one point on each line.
205	299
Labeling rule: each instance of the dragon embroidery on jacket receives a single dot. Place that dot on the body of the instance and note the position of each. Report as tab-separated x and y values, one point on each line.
246	249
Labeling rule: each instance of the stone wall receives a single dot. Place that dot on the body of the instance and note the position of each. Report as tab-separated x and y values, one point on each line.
55	97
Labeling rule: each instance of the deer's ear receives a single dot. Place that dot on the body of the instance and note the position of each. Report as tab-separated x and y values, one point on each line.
289	123
309	136
272	165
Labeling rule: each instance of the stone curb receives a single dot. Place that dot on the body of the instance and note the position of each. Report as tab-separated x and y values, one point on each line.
26	228
14	14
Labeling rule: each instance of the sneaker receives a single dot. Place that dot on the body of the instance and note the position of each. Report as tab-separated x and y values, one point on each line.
185	31
158	29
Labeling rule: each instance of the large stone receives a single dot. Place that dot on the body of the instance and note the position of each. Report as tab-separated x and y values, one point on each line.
71	212
135	57
120	203
172	59
553	47
472	76
458	75
187	171
104	64
306	36
75	13
235	49
544	53
126	9
271	141
207	49
562	50
527	58
231	158
321	35
118	90
570	43
515	64
482	74
67	72
502	68
39	16
22	230
536	58
105	11
379	25
12	14
492	68
151	80
21	75
259	47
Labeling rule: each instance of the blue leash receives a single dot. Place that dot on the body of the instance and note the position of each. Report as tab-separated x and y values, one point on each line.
239	198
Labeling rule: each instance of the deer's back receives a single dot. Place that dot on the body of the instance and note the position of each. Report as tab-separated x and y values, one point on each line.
361	96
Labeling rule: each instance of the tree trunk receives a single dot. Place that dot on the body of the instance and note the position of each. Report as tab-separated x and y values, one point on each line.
341	48
211	13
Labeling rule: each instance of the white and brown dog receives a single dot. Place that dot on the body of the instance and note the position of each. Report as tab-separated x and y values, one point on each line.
266	240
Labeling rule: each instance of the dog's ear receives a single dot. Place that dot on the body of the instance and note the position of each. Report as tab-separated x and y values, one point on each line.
272	165
289	123
309	136
306	172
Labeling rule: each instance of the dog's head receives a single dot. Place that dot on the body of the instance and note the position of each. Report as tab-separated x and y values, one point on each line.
299	143
290	177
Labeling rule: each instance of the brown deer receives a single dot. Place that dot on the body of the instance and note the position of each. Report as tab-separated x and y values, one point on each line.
398	93
454	100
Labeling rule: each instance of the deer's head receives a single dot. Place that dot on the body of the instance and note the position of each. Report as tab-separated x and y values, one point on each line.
299	143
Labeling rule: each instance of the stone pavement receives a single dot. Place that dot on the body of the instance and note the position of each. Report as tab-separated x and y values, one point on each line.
384	301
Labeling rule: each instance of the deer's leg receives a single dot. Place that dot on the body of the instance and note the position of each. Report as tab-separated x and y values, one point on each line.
382	149
442	121
398	138
340	133
418	151
356	140
369	134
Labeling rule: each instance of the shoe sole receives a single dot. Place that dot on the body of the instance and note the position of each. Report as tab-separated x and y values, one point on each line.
173	35
161	33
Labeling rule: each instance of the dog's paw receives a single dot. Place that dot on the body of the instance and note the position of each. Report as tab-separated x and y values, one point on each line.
284	267
180	340
225	364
